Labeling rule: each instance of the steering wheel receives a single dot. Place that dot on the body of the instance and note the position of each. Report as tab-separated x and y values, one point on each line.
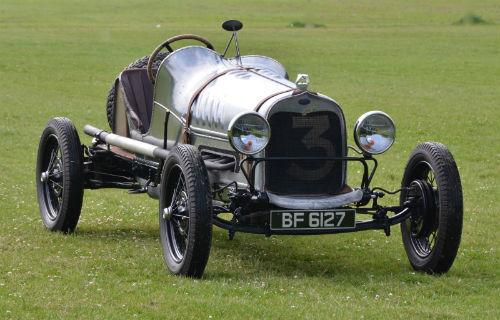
166	44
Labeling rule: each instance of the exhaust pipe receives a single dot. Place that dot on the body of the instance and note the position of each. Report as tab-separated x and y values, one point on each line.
128	144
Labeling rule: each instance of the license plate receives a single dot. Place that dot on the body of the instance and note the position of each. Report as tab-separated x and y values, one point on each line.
313	219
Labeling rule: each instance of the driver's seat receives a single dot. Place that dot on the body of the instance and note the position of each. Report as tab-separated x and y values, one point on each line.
134	102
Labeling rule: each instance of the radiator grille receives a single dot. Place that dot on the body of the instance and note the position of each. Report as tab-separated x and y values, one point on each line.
317	134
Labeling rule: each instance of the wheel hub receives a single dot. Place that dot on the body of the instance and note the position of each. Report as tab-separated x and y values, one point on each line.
424	209
44	177
177	209
167	213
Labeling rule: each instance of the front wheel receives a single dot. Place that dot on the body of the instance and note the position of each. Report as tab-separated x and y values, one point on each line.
185	213
431	235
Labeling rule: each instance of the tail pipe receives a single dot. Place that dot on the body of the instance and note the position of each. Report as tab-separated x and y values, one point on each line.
128	144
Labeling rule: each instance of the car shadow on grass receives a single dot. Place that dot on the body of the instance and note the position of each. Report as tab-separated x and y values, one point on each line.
144	233
247	255
327	256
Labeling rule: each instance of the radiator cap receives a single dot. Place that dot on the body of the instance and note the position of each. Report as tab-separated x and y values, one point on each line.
302	81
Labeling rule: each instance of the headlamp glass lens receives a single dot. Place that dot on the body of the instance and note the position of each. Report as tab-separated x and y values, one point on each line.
249	133
374	132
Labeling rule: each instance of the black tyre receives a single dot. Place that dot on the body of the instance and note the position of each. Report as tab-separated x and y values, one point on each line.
141	63
431	236
185	213
59	175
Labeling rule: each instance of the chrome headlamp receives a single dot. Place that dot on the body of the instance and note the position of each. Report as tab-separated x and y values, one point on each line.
374	132
249	133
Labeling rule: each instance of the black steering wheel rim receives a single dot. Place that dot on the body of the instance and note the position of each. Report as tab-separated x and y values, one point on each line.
166	45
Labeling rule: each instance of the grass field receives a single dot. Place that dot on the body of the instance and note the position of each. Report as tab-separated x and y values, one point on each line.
438	79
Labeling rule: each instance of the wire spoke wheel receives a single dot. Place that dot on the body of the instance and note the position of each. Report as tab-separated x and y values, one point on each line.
60	175
432	184
176	217
424	222
185	212
52	177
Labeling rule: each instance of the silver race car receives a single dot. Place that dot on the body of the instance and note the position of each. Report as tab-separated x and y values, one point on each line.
232	142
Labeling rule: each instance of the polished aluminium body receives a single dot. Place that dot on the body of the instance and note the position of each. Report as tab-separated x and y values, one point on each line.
245	84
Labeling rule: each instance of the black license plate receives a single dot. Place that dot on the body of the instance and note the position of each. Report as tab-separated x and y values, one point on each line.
313	219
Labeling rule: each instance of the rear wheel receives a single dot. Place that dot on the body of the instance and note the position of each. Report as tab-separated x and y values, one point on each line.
141	63
185	213
59	175
431	235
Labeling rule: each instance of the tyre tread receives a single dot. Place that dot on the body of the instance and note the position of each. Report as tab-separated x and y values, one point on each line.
199	185
200	207
451	207
72	197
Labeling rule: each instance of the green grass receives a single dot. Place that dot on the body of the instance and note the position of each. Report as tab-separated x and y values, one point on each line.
438	81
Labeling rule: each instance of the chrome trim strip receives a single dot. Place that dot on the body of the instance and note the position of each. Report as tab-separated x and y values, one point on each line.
208	137
215	134
160	105
171	113
196	130
271	79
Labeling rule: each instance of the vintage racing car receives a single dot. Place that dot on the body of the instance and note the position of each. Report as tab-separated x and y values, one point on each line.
232	142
